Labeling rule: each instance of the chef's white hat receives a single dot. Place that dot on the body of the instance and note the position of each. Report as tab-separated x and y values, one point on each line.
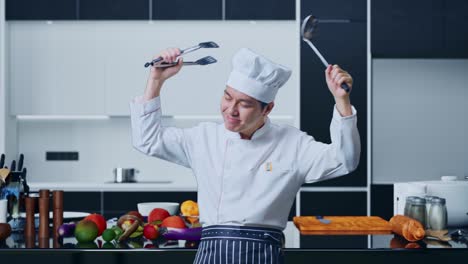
257	76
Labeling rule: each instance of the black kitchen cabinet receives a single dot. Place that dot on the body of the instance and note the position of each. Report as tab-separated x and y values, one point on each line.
333	204
114	9
344	44
382	200
343	203
407	29
456	29
260	9
41	10
355	10
419	29
89	202
187	10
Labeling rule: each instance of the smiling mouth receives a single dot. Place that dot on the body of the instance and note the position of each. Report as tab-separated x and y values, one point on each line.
232	120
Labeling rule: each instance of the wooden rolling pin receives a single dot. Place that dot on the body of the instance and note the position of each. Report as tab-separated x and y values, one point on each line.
410	229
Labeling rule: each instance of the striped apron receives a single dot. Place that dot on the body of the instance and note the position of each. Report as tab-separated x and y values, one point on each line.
223	244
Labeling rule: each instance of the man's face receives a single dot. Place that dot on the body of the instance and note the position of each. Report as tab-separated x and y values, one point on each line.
241	113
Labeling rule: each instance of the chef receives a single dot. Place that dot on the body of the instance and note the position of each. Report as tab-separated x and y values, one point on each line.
248	169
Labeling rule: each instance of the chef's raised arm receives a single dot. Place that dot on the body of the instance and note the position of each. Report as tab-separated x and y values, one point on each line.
148	134
319	161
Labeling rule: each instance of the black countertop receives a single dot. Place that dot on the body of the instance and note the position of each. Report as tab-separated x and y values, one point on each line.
379	249
16	241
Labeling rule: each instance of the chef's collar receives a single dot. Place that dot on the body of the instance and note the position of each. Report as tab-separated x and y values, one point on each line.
258	133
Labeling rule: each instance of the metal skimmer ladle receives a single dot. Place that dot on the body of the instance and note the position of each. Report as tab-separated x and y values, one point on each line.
308	29
209	44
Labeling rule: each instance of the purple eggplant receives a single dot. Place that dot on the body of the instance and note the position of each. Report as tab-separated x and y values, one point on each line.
192	234
67	230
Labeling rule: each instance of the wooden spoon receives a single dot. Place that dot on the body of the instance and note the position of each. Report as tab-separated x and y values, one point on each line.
438	234
4	174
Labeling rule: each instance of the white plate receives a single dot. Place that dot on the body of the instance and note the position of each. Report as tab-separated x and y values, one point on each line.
66	215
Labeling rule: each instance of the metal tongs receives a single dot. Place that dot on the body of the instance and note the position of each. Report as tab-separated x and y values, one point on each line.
209	44
203	61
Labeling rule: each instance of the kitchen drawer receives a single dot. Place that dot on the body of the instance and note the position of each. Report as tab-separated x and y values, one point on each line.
333	242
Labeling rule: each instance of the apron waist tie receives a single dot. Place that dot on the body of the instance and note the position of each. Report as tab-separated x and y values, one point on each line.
260	234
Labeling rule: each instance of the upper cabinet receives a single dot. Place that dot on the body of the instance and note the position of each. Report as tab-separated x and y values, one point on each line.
419	29
260	9
55	70
456	29
355	10
41	10
150	9
187	10
114	9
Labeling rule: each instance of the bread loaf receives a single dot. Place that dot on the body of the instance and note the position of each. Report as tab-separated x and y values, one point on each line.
409	228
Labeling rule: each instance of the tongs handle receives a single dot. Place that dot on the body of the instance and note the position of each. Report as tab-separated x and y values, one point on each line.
165	65
184	51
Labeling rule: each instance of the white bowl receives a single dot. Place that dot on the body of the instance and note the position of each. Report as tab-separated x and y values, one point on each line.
145	208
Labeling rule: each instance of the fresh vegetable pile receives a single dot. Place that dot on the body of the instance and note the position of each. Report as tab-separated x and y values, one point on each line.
132	231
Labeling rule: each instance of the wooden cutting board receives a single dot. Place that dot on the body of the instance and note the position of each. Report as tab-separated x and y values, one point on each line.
342	225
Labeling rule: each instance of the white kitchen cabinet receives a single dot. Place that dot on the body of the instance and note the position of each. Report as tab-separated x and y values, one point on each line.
96	67
55	69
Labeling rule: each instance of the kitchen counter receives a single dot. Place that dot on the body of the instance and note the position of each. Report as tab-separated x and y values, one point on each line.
111	186
381	249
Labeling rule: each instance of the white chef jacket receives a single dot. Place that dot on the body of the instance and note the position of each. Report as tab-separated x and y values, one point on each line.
247	182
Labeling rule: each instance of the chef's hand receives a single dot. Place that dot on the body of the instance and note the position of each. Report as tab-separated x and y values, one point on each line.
157	76
169	55
335	76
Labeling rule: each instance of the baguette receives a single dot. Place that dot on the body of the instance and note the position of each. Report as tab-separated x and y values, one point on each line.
409	228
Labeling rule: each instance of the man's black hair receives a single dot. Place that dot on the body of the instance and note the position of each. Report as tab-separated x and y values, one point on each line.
262	104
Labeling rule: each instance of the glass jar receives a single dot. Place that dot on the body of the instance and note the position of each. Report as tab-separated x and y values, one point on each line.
408	205
418	210
438	214
428	208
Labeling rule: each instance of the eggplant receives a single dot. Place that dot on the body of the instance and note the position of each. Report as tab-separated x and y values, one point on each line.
192	234
67	230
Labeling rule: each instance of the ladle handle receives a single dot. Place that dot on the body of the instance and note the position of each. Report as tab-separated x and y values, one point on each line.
345	87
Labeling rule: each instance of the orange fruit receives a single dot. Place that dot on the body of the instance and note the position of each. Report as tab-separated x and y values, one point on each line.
189	210
173	221
99	220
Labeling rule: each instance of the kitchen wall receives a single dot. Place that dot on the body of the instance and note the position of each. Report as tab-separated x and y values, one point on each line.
102	145
111	62
8	131
419	119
